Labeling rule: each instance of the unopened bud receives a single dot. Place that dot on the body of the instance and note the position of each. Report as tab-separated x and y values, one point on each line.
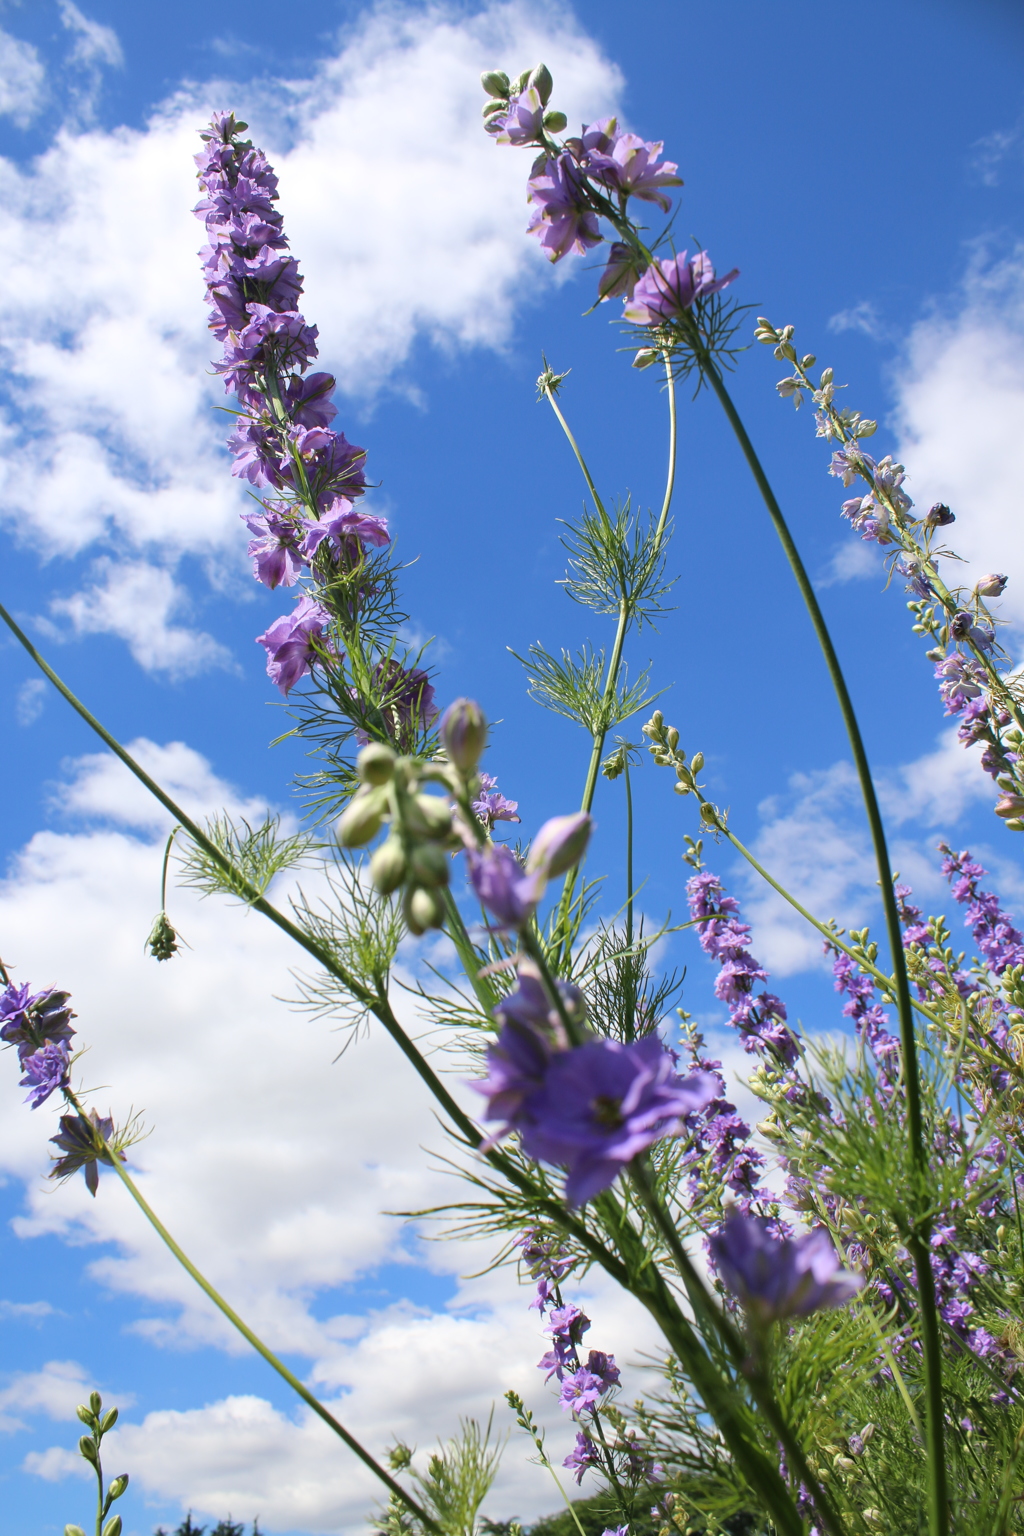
697	762
95	1402
541	82
118	1486
73	1530
376	763
422	910
113	1526
86	1415
560	843
873	1516
360	822
672	737
495	82
493	108
108	1421
463	732
1010	805
387	867
429	816
993	585
867	1433
555	122
645	357
87	1448
939	516
429	865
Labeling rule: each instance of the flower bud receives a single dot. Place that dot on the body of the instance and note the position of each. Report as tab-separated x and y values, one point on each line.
87	1447
429	816
375	763
113	1526
108	1421
939	516
429	865
992	585
95	1402
118	1487
387	867
541	82
360	822
672	738
463	732
495	83
560	843
86	1415
555	122
422	910
73	1530
697	762
645	357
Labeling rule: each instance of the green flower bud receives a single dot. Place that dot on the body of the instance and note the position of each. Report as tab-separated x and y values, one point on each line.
86	1415
73	1530
495	82
163	941
463	732
113	1526
672	737
645	357
108	1421
387	867
429	816
492	108
520	85
429	865
697	762
422	910
375	763
360	822
117	1487
541	82
95	1402
555	122
87	1448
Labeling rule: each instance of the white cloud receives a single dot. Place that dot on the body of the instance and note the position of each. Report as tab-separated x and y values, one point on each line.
95	47
862	317
853	560
22	80
135	601
407	221
279	1207
55	1390
938	787
960	415
29	701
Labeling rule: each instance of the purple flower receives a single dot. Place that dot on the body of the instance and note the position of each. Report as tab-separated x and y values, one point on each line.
668	288
76	1139
632	167
1001	944
490	806
31	1020
347	531
406	697
257	454
604	1102
583	1455
46	1070
620	275
290	643
503	885
522	123
779	1277
306	402
760	1017
276	558
561	219
530	1007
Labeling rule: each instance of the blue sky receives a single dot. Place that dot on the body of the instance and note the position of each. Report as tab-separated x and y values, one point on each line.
866	178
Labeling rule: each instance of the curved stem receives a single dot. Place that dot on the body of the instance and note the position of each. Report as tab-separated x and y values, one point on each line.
252	1338
163	875
938	1512
552	399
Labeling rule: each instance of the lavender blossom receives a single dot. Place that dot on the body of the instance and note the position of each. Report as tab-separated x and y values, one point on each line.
586	1386
31	1020
669	288
583	1455
276	557
503	886
491	806
290	643
631	167
561	219
1001	944
759	1016
46	1070
779	1277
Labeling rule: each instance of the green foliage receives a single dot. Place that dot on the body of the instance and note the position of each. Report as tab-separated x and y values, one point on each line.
360	930
457	1479
617	564
576	688
255	855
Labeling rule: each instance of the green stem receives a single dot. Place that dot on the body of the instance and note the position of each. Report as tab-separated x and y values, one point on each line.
163	875
938	1501
629	853
257	1343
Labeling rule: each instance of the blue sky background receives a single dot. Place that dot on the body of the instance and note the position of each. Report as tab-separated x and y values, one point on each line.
865	175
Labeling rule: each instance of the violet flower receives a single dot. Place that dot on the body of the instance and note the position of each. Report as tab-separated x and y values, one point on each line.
348	532
276	556
584	1387
290	643
503	886
561	219
779	1277
584	1454
76	1140
759	1016
631	166
1001	944
46	1070
669	288
491	806
31	1020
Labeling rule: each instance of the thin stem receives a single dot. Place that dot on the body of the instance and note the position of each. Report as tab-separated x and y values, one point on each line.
629	852
552	400
252	1338
938	1510
163	876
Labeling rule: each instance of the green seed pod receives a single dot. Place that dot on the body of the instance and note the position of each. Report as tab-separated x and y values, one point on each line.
376	763
387	867
422	910
429	816
429	865
555	122
360	822
496	83
540	81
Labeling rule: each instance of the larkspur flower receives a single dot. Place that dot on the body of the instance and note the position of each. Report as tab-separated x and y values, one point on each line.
522	123
31	1020
503	886
277	559
760	1017
1001	944
561	219
560	844
584	1388
491	806
77	1141
584	1454
463	732
46	1070
779	1277
669	288
348	533
290	643
631	166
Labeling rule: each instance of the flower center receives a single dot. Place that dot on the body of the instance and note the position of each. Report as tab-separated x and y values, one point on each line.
606	1111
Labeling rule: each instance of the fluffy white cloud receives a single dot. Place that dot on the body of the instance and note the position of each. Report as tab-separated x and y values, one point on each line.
22	80
960	413
135	601
406	219
279	1207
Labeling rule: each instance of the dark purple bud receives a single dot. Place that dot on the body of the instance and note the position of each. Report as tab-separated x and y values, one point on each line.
463	731
939	516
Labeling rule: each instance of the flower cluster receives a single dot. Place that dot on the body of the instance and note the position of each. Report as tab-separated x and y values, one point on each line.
721	1155
1000	943
283	441
760	1017
592	1107
38	1024
592	176
491	806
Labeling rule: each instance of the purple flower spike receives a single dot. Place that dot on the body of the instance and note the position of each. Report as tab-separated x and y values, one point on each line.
290	643
604	1102
30	1020
491	806
779	1277
668	288
504	887
583	1455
